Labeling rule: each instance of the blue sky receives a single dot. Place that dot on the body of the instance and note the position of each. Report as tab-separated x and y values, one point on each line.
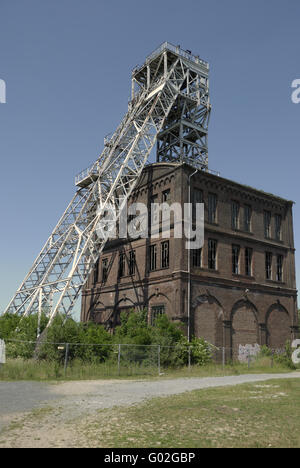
67	66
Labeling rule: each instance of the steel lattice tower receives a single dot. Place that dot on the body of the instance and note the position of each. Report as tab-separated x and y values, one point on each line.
170	106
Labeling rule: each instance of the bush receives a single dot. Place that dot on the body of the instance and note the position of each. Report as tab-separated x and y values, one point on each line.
283	358
90	342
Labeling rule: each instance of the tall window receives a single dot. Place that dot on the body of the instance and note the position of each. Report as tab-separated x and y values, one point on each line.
196	257
131	262
279	267
248	261
154	210
197	198
212	208
278	222
235	259
121	265
165	254
153	257
166	196
247	218
235	209
96	272
212	254
268	265
267	224
104	270
156	311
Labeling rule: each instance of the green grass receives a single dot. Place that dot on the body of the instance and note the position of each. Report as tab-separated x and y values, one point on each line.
18	369
263	414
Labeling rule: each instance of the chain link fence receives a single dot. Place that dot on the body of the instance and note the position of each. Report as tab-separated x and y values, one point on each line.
122	359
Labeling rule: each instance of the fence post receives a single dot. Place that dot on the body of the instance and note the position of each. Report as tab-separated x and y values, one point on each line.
272	359
66	358
249	360
158	359
189	358
223	358
119	359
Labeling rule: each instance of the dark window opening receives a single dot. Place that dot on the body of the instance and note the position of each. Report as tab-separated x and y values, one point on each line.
121	265
235	209
267	224
96	272
132	262
212	208
166	196
278	222
165	254
197	198
247	218
152	257
235	259
279	268
104	270
196	258
248	261
212	254
154	210
268	265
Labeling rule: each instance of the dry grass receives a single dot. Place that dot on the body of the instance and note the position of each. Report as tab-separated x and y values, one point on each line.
250	415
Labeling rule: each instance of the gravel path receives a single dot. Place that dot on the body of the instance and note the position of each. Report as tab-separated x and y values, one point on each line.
82	397
64	410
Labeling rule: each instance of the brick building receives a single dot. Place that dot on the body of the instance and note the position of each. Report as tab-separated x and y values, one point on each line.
242	282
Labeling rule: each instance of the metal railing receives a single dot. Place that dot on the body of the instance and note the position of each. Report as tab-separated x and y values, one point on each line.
177	50
88	172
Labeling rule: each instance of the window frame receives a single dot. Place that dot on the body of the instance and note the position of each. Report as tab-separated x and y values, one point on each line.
235	215
248	261
132	262
122	265
267	224
165	254
153	257
235	252
212	208
247	219
210	251
154	314
268	265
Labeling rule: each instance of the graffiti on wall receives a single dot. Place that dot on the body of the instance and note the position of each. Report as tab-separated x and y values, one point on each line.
248	350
